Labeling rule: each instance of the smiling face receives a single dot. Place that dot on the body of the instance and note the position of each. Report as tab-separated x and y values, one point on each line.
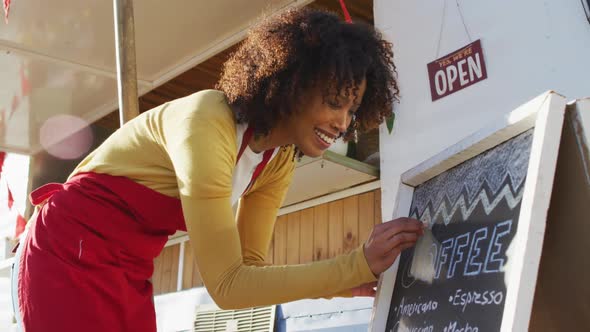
317	121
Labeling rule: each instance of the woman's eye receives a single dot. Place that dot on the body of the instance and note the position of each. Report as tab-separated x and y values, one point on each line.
334	104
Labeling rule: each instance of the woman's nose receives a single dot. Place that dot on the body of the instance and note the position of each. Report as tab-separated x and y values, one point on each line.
342	120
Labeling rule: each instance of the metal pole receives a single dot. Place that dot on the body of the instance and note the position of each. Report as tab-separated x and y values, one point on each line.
180	267
125	50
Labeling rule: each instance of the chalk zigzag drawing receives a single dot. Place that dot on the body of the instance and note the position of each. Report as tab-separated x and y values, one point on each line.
487	179
446	209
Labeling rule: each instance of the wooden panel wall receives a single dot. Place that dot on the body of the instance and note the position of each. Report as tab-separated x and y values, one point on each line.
313	234
326	230
166	270
191	277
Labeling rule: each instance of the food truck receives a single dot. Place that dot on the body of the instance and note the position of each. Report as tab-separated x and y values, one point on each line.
462	67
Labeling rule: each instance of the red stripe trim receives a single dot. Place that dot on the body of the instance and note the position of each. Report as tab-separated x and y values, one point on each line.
347	17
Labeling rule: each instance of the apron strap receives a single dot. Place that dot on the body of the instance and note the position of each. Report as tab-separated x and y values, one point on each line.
259	168
44	192
245	139
265	158
38	197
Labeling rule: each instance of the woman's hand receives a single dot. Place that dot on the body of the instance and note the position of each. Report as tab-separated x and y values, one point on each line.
387	240
365	289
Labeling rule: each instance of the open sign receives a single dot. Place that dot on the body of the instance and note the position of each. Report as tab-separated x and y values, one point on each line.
456	70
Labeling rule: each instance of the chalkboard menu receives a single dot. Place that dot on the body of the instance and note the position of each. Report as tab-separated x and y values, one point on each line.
453	279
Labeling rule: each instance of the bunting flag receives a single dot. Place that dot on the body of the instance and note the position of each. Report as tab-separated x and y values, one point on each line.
347	17
21	223
14	106
25	85
10	198
20	220
25	90
6	10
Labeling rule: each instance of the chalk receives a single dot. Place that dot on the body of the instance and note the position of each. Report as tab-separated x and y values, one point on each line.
422	267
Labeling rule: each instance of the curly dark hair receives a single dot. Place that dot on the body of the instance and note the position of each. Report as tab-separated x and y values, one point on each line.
285	55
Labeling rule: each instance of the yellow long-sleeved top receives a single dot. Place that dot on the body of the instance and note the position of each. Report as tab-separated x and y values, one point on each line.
187	148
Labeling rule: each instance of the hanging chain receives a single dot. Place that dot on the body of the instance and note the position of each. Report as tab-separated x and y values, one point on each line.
442	25
463	20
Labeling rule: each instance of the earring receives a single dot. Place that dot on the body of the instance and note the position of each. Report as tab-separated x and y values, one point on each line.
353	130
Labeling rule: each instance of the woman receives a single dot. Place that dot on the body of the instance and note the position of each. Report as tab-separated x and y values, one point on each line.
297	83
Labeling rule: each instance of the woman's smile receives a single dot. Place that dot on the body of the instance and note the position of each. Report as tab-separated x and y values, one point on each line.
325	139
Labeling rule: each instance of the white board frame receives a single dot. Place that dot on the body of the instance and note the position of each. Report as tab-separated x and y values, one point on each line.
581	122
545	113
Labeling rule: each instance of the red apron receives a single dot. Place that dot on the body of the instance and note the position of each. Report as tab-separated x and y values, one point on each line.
88	256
